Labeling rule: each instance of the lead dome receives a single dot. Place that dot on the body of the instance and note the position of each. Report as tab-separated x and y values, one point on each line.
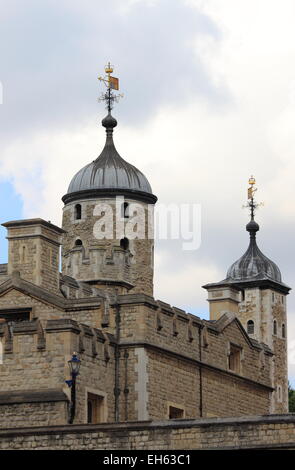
109	173
253	264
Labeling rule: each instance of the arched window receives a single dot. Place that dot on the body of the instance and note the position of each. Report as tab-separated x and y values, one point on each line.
78	242
283	330
125	210
78	211
275	327
124	243
250	327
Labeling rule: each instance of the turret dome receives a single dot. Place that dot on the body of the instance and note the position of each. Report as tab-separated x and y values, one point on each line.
109	174
253	264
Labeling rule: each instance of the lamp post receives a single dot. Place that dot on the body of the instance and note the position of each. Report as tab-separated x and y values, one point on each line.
74	366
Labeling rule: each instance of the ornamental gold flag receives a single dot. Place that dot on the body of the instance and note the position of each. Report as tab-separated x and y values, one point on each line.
114	83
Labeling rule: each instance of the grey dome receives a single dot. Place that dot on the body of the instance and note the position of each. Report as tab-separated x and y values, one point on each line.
109	171
254	264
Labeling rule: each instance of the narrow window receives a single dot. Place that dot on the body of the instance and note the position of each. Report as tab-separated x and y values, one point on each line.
124	243
275	327
242	295
1	352
250	327
279	393
95	405
272	297
234	359
24	254
125	210
78	211
282	297
89	411
283	331
175	413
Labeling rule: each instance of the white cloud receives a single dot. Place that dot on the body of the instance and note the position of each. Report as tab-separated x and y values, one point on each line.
182	287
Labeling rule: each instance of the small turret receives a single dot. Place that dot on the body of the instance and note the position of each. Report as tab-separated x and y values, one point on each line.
108	203
254	291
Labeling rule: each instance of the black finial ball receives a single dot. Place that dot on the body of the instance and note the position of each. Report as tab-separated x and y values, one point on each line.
252	226
109	122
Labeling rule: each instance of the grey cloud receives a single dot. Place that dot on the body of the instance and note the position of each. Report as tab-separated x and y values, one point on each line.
52	52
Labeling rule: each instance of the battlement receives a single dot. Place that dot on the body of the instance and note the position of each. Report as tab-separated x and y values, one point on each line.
34	360
29	337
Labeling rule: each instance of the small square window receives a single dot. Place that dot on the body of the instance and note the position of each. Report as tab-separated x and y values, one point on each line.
17	315
176	413
95	411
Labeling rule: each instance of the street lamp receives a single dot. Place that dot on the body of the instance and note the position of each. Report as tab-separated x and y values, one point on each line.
74	366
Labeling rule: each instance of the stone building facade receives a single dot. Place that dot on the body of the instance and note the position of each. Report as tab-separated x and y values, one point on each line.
141	359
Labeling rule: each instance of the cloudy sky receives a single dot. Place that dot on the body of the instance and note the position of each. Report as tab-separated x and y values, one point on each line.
209	99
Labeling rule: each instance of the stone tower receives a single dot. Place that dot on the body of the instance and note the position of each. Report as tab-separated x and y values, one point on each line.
253	290
108	220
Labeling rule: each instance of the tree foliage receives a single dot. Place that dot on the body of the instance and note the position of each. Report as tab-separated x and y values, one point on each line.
291	399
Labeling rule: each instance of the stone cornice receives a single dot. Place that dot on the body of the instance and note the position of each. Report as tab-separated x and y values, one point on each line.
63	324
246	284
109	193
31	396
27	288
30	222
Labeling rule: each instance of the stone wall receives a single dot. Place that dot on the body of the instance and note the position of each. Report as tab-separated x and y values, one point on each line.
166	350
229	395
172	382
258	432
34	414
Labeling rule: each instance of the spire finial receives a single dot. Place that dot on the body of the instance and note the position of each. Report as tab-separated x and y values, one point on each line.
112	83
251	201
252	226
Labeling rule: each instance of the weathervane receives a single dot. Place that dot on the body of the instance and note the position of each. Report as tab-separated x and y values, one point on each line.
252	204
112	83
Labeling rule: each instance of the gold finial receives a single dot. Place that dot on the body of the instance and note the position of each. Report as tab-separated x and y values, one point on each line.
252	204
109	81
109	68
251	190
112	83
